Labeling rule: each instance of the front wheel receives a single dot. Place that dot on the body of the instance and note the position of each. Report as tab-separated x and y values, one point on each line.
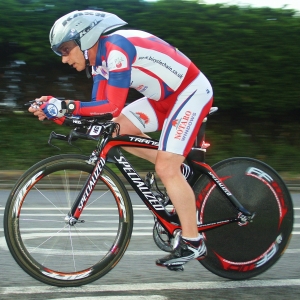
236	251
38	233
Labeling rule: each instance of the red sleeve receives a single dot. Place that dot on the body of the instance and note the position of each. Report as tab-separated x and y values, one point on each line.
108	99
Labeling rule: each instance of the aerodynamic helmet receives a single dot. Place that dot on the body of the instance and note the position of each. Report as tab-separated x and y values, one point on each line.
83	27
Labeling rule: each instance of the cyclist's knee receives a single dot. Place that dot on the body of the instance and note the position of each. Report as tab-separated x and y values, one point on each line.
166	168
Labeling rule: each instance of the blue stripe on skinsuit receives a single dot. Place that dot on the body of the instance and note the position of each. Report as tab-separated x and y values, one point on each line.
119	41
94	103
120	79
169	128
97	79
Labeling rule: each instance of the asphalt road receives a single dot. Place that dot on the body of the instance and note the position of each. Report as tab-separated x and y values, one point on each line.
137	277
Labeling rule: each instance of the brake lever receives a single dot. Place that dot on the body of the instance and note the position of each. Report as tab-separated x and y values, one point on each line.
74	135
36	105
57	136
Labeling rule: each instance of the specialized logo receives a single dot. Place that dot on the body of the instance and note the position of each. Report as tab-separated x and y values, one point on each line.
183	125
220	184
130	172
91	184
143	118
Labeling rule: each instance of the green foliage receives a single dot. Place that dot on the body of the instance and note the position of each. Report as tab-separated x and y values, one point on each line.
24	141
251	56
280	149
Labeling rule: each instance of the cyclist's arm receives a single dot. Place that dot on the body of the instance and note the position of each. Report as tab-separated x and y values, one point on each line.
108	96
111	79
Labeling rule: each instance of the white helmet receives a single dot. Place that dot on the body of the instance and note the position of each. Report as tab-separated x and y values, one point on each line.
84	27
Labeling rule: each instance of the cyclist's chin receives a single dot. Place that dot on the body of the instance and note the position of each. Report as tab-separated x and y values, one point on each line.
78	67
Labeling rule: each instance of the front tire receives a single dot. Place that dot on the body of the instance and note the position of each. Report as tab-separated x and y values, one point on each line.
45	245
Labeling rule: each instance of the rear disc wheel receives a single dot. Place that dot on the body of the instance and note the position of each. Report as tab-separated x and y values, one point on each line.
240	252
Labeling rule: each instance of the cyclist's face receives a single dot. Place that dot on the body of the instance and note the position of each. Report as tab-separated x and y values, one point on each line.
66	48
72	55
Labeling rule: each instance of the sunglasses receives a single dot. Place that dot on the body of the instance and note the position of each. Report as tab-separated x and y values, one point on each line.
66	48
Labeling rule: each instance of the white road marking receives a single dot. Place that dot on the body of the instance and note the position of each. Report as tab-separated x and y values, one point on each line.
3	245
135	207
208	285
152	297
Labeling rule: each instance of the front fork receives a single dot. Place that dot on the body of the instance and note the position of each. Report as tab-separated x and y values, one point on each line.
82	198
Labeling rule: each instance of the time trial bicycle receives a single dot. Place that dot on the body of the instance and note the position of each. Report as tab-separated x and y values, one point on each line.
69	218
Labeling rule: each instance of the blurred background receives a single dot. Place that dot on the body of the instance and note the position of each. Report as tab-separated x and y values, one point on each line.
250	55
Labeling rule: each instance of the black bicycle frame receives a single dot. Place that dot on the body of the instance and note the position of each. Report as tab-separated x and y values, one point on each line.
112	153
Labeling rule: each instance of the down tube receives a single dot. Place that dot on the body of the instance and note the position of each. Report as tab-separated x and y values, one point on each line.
140	187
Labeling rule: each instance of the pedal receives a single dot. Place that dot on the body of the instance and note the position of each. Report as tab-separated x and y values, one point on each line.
176	268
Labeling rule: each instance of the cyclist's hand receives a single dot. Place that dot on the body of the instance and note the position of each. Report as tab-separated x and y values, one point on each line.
54	108
35	107
46	107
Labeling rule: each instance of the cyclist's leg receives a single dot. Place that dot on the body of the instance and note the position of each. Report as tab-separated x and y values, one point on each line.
136	119
182	196
182	115
178	135
141	116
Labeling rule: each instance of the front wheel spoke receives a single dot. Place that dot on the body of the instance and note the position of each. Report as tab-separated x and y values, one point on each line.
101	196
45	197
48	239
91	242
72	249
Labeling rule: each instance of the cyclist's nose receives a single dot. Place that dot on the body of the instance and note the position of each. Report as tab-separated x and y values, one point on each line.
64	59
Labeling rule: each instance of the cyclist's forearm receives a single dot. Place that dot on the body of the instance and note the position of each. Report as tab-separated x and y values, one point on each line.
94	108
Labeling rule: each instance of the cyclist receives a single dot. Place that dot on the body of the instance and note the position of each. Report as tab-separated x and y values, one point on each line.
176	98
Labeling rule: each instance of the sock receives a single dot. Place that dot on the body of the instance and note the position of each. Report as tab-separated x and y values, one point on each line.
193	241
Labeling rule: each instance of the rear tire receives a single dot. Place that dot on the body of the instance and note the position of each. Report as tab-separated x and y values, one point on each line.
47	247
240	252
